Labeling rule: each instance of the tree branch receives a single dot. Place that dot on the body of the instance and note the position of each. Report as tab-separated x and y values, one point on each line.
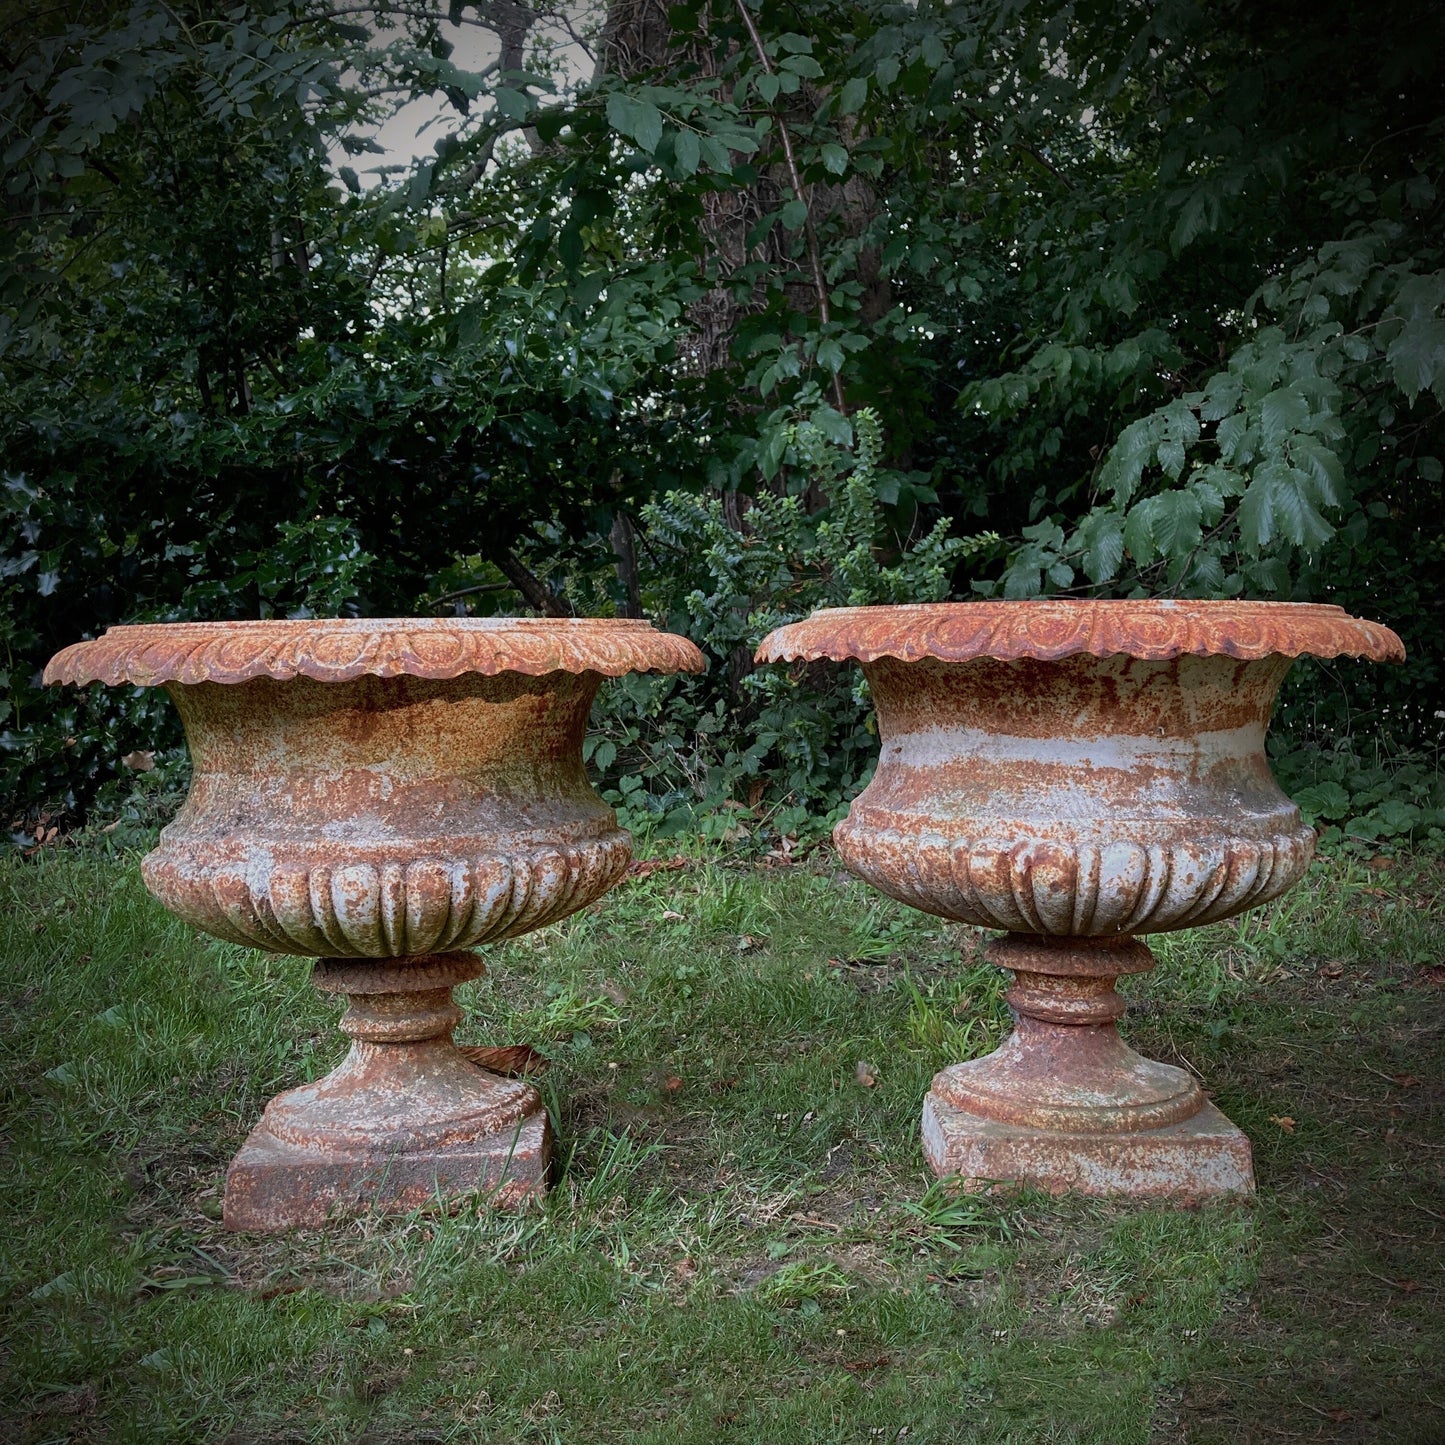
810	233
537	594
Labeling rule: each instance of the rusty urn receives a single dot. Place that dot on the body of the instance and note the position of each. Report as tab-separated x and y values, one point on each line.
383	796
1077	773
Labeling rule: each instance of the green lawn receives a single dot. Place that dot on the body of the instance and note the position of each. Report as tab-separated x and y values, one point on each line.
742	1243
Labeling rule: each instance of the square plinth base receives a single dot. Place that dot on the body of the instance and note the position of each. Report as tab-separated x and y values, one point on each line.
272	1185
1201	1158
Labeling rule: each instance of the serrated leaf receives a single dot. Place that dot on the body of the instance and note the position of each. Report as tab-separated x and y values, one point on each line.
1125	463
1175	525
1417	356
1281	412
1221	396
835	159
1324	468
1139	531
1236	439
1103	547
1256	515
1323	800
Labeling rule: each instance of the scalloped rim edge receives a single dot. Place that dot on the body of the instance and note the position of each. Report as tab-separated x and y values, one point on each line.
997	635
149	655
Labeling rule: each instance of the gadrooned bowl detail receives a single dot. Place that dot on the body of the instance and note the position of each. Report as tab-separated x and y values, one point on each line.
384	908
1043	886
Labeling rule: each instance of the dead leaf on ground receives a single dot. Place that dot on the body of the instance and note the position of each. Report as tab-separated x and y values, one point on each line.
646	867
1284	1122
1332	970
510	1060
671	915
139	762
862	1367
672	1084
684	1269
1405	1081
866	1073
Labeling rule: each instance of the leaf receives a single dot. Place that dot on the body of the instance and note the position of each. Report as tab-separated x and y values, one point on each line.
1281	412
639	119
469	322
1104	547
835	158
830	354
852	95
1323	800
1176	523
1295	513
795	214
512	103
1138	534
1323	467
1417	356
1256	514
1284	1122
1125	463
803	65
866	1073
688	151
1221	396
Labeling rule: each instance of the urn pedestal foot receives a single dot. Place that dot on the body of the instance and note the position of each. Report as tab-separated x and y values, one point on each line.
1201	1158
1065	1103
404	1121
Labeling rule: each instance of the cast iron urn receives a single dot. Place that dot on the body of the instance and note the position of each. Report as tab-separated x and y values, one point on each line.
383	796
1077	773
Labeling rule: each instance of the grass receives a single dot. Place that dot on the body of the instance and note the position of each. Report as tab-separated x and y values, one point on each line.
743	1242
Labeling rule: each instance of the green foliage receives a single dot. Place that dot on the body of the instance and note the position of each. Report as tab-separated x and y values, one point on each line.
1153	293
1358	804
787	747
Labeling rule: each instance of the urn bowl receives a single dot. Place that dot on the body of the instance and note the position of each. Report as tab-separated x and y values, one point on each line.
382	788
1077	768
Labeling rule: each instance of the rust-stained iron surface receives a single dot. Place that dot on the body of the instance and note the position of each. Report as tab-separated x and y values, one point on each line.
1076	773
960	631
379	794
341	649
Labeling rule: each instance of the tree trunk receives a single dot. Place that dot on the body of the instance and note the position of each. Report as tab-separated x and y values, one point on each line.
624	546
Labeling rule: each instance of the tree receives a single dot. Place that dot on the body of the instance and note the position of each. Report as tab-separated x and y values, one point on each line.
1153	292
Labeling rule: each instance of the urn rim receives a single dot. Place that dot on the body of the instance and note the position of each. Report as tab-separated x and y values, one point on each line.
1049	629
341	649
